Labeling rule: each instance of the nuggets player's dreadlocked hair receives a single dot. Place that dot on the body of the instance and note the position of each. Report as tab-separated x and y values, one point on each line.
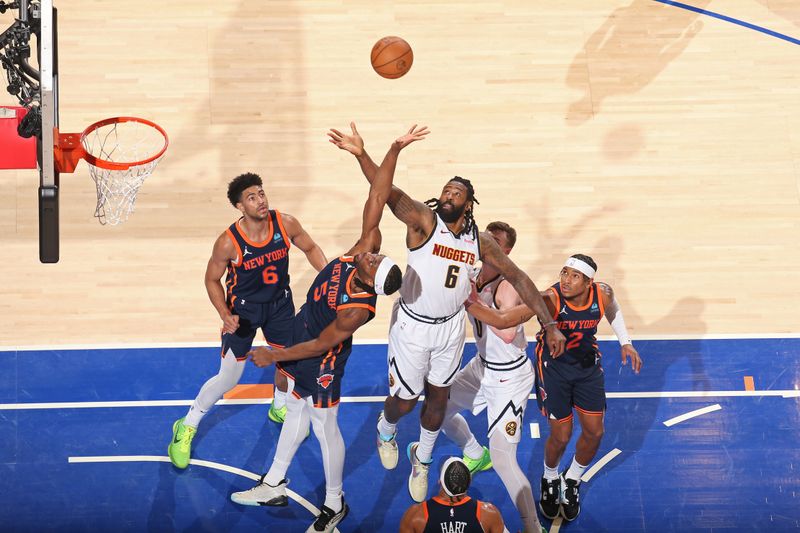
469	220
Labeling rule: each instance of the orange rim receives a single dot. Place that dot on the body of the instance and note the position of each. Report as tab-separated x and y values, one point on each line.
111	165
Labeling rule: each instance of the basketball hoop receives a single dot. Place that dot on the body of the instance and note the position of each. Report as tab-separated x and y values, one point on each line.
121	152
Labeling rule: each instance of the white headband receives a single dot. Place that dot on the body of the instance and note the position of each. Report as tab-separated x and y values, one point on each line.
581	266
446	464
380	275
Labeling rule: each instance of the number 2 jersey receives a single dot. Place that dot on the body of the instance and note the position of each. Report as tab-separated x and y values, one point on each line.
260	273
579	326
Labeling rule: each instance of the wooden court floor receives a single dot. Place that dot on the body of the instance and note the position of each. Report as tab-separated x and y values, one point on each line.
660	140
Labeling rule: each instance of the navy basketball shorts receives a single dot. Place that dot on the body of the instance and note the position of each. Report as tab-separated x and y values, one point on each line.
318	377
560	387
275	320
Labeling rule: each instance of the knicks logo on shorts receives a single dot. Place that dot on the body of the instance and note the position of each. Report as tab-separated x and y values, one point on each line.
542	393
511	428
325	380
391	380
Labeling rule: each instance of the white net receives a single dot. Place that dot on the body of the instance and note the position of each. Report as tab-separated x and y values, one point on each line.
118	145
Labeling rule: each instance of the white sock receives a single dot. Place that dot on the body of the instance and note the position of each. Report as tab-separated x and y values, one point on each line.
331	444
473	449
293	433
386	429
575	470
230	372
550	474
457	429
504	461
279	399
426	441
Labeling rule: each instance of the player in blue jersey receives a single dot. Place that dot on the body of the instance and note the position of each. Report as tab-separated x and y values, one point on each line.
573	379
340	300
254	254
452	510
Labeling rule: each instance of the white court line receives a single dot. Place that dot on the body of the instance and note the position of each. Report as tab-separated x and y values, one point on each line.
535	431
589	474
692	414
377	399
215	343
197	462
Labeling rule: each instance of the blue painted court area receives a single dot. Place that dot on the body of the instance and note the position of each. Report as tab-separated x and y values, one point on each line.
734	468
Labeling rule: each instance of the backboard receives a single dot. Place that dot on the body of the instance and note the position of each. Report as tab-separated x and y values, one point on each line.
35	86
48	94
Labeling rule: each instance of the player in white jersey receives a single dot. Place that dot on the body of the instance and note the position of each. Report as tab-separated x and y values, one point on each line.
499	379
427	331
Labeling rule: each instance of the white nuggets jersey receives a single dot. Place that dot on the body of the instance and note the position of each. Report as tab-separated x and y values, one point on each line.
437	279
495	353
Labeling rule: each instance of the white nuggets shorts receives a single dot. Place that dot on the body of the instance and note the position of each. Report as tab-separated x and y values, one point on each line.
504	395
421	351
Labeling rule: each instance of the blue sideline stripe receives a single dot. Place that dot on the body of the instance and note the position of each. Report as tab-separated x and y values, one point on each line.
732	20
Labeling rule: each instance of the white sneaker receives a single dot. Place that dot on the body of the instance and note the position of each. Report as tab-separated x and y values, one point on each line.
387	449
418	479
263	494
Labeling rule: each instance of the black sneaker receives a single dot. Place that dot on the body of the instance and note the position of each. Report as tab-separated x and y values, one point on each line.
551	497
570	498
328	519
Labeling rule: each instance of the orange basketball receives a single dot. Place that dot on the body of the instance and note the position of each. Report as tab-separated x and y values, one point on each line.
392	57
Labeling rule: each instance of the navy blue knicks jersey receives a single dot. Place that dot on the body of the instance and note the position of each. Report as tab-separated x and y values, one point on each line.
445	517
328	294
579	326
261	271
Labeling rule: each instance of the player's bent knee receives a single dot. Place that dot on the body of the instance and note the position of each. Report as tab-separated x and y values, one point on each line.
560	438
594	434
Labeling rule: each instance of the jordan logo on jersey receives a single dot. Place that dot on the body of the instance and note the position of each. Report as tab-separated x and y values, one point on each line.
325	380
246	252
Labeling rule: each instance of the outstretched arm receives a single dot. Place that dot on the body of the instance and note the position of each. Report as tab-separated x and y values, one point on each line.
503	319
414	214
491	254
506	317
303	240
614	317
346	323
379	190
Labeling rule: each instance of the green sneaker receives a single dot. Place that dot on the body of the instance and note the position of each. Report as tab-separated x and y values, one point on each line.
479	465
180	449
277	415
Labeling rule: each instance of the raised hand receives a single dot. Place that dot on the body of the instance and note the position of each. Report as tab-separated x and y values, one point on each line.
414	134
352	143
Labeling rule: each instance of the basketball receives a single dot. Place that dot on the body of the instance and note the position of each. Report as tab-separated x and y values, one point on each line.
392	57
